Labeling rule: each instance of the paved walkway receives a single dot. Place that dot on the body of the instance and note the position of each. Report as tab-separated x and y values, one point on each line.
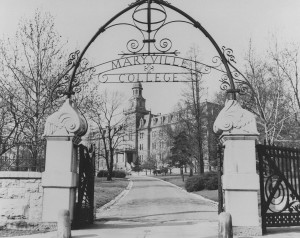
156	209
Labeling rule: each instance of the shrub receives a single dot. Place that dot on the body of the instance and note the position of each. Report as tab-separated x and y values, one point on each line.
156	171
119	174
115	174
208	180
195	183
102	173
211	180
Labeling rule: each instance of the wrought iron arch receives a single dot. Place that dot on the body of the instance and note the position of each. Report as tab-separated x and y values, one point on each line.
77	57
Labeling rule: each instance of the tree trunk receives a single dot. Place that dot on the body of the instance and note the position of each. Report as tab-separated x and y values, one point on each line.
191	171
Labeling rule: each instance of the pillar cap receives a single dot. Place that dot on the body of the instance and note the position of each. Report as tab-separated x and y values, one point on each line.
67	121
234	120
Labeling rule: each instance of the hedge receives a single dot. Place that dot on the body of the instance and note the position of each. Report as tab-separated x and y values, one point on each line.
115	173
208	180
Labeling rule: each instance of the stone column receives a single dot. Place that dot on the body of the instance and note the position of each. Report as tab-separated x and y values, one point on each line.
240	180
63	130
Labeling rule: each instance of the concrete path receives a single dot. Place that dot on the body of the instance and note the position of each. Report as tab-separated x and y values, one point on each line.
155	209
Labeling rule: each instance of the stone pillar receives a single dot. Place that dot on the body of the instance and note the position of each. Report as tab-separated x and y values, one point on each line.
63	131
240	180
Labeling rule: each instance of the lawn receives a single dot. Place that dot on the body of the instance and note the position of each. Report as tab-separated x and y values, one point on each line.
177	180
105	191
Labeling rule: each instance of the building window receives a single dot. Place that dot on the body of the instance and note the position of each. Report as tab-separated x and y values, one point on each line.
141	146
141	135
130	136
154	145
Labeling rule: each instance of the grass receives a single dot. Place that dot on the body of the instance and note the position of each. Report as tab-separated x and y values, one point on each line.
105	191
177	180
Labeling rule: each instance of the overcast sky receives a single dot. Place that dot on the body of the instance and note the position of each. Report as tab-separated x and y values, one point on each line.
232	23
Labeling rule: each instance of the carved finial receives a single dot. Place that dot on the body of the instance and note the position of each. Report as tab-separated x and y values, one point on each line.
67	121
233	119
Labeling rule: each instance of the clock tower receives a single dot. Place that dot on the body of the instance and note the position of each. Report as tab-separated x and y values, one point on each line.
135	111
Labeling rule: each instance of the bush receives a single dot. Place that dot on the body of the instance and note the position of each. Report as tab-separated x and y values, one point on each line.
156	171
119	174
195	183
208	180
211	180
102	173
115	174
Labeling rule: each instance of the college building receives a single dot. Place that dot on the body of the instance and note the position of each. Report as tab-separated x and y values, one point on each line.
145	134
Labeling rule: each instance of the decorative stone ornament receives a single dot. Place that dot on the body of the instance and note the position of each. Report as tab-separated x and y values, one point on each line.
67	121
233	119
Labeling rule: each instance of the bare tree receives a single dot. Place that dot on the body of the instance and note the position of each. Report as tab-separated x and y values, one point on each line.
267	97
193	109
104	110
31	69
287	62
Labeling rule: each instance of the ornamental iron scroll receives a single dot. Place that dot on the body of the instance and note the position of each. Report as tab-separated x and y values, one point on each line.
156	19
84	68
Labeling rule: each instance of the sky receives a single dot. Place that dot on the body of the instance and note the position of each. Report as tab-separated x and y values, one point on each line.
232	23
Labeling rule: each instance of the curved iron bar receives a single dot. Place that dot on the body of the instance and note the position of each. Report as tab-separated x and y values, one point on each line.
232	89
101	30
196	24
159	28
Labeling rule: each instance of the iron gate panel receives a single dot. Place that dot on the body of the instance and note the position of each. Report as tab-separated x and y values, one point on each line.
279	185
84	208
220	157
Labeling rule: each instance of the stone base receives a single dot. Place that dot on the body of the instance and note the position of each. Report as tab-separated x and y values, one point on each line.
247	231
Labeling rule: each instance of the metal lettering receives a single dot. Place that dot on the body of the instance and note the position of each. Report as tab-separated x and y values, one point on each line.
116	65
127	62
131	75
154	60
184	63
148	78
165	79
144	59
174	77
166	61
120	78
174	61
156	78
135	60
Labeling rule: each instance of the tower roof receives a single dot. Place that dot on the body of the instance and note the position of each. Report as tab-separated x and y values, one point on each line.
137	85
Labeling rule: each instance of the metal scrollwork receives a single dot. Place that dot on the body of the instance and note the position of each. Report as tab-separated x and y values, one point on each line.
133	46
73	57
225	85
149	28
149	68
164	45
228	54
102	78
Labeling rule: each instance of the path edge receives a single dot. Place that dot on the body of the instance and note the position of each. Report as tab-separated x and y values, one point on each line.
109	205
193	194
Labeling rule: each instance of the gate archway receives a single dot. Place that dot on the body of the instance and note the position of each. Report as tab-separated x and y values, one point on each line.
150	51
148	18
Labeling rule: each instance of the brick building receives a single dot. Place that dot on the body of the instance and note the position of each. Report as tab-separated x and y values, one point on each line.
145	133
